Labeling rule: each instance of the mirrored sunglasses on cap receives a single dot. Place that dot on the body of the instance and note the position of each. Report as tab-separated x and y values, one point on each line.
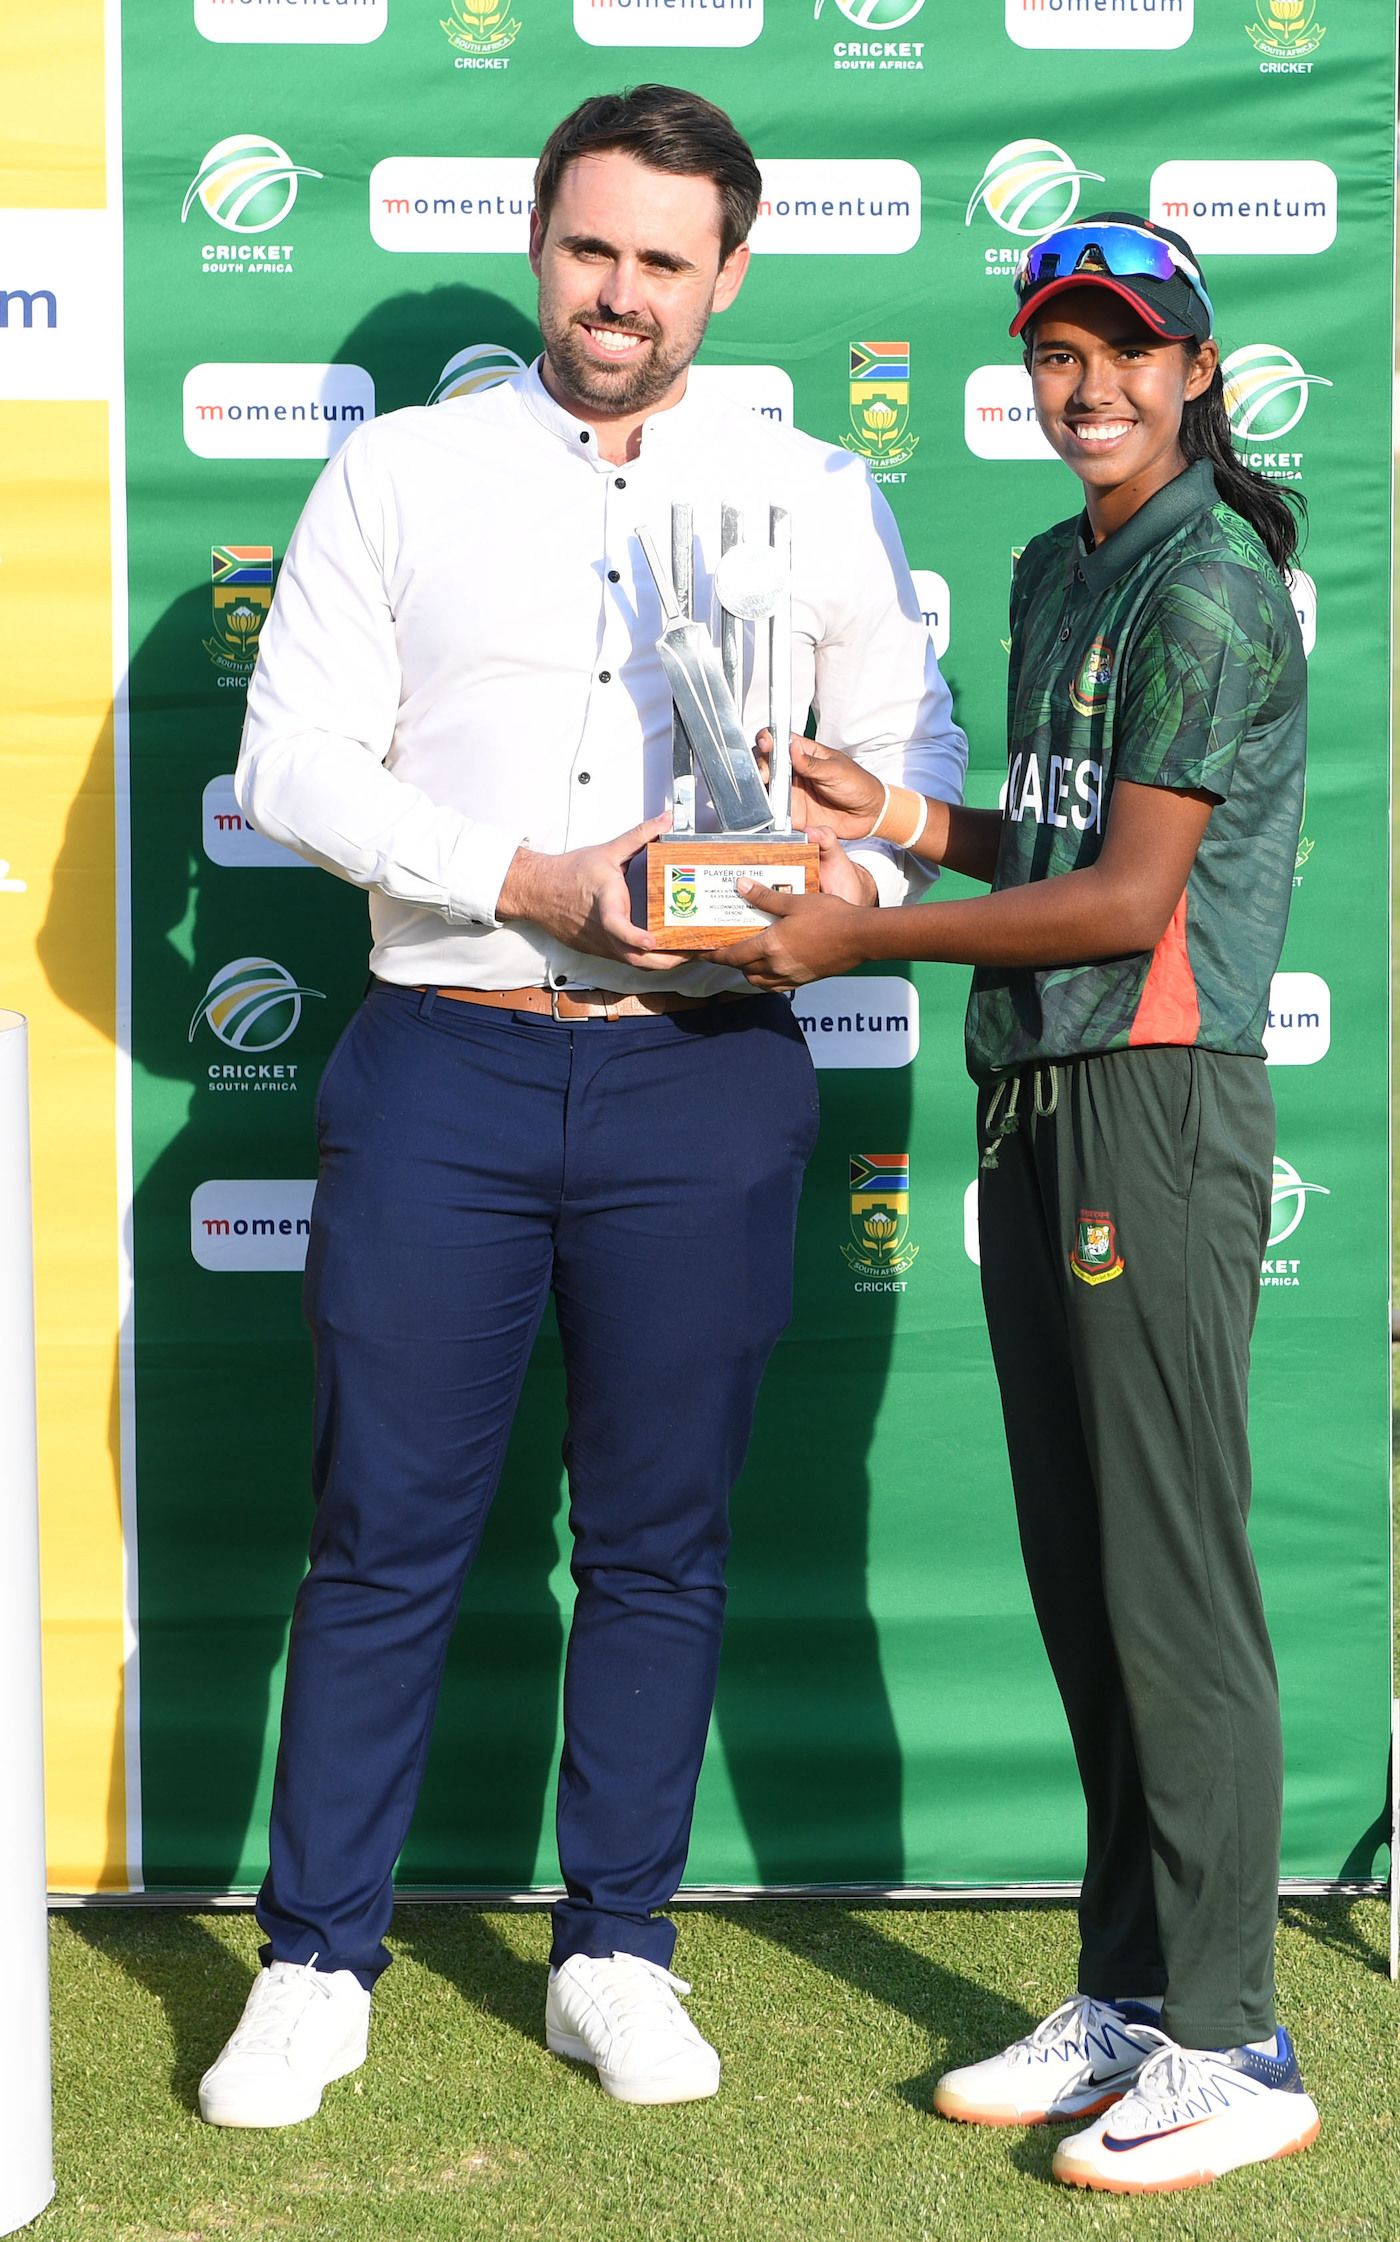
1103	252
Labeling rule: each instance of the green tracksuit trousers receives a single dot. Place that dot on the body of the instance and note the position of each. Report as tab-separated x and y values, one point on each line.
1124	1209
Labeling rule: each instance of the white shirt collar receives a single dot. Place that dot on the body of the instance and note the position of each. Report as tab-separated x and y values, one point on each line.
678	421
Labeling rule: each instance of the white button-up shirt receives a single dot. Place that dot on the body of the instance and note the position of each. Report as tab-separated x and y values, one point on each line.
461	658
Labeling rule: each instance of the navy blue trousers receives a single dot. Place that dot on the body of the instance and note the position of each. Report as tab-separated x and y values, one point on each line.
647	1172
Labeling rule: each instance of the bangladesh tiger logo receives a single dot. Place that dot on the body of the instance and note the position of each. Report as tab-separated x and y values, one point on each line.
1090	690
1094	1256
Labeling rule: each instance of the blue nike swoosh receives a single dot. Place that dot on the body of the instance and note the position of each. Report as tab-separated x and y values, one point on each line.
1140	2140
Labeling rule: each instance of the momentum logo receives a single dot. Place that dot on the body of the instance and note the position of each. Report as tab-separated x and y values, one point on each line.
230	840
302	409
60	304
668	23
860	1022
999	420
1100	23
935	603
306	23
28	307
765	390
1248	209
1304	591
1298	1031
241	1223
845	207
451	204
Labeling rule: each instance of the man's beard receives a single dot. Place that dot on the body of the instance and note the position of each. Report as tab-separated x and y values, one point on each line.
628	388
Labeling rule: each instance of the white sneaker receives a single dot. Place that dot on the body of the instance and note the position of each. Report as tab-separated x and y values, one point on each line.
1191	2114
301	2027
1074	2064
620	2014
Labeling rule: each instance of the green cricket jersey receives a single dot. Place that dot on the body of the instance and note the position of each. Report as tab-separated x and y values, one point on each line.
1170	655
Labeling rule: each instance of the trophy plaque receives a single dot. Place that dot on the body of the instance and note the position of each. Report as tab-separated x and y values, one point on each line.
691	877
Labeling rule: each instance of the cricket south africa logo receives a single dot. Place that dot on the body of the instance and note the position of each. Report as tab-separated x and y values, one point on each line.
879	1187
1290	1195
879	404
876	15
1028	187
880	53
252	1004
1094	1256
1286	30
1266	392
246	184
479	366
242	594
681	902
481	27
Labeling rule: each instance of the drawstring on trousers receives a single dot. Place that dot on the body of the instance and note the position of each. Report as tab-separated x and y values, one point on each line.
1004	1107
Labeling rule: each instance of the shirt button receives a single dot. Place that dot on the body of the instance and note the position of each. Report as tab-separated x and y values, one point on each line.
1079	576
1064	637
613	577
583	435
557	980
605	677
620	482
583	778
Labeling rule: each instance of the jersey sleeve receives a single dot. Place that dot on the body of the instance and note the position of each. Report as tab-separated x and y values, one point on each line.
1202	666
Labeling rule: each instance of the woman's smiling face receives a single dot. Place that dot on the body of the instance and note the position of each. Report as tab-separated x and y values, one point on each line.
1109	395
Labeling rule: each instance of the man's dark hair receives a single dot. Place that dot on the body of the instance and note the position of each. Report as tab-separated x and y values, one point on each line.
669	129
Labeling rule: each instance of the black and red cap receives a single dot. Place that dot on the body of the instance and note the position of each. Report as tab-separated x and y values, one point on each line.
1151	268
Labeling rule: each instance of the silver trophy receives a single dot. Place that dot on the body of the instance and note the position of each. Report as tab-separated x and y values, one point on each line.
691	876
753	584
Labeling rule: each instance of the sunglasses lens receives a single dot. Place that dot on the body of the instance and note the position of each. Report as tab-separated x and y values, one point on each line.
1119	250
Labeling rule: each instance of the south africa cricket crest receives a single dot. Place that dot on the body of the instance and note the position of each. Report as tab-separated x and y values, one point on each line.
879	1185
1094	1256
880	404
481	27
242	595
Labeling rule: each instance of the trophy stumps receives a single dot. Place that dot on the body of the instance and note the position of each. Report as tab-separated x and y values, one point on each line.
690	878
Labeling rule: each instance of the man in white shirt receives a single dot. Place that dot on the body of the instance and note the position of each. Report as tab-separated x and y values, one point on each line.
458	705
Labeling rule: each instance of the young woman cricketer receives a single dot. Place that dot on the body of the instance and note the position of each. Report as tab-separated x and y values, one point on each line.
1140	874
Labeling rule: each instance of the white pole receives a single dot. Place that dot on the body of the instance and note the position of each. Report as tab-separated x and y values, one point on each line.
26	2144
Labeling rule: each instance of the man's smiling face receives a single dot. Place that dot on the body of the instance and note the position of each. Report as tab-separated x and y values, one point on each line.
629	271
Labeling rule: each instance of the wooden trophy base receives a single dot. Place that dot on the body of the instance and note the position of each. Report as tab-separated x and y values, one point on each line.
691	903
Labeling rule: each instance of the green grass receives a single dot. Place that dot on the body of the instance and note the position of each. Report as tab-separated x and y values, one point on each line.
832	2021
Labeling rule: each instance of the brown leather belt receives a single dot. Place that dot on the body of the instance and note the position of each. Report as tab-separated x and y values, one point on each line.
588	1004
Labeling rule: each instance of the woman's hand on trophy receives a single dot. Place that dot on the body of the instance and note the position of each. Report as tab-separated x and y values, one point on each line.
811	937
828	788
837	873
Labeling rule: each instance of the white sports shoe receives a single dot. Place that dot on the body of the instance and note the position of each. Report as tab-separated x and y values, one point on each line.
620	2014
301	2027
1076	2063
1191	2114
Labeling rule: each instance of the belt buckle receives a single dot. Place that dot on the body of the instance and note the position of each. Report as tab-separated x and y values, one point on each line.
581	1009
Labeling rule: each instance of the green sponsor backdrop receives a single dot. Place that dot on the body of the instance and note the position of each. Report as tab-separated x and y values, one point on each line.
885	1713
